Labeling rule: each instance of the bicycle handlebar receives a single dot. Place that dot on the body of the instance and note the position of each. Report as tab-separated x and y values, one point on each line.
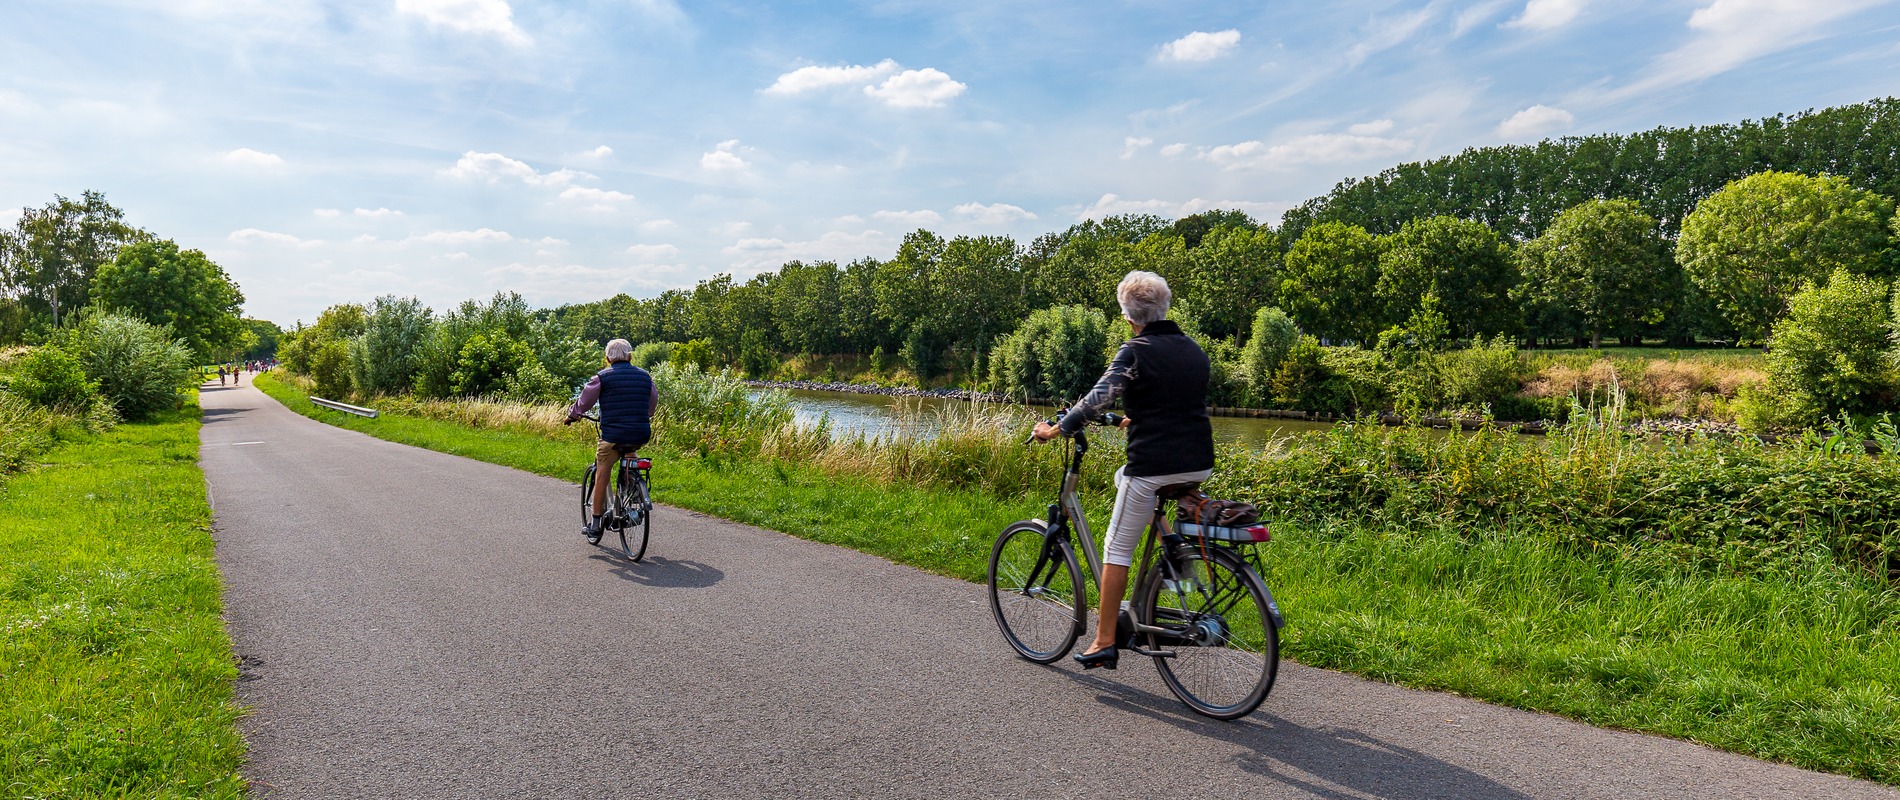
1107	419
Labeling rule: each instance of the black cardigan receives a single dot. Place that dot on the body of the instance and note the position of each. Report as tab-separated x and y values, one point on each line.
1163	376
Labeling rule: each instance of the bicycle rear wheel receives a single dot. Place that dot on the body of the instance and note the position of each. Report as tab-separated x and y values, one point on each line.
634	516
1036	592
1226	648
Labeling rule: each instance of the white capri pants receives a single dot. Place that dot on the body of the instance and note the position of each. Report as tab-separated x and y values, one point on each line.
1134	505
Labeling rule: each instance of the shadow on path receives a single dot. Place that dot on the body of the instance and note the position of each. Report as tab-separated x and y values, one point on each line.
662	572
1335	763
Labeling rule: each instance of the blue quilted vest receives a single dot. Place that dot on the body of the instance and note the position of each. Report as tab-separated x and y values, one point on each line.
626	404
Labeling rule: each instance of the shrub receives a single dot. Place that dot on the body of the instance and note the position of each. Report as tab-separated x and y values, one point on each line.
1487	373
534	384
139	367
330	368
569	360
652	354
1273	336
486	362
383	359
1828	353
698	353
53	378
1055	353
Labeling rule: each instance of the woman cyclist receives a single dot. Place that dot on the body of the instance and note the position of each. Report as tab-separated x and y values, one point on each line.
1160	376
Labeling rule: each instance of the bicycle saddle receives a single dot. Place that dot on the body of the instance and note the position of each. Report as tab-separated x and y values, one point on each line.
1176	491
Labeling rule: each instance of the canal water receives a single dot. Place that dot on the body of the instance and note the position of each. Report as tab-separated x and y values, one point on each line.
873	414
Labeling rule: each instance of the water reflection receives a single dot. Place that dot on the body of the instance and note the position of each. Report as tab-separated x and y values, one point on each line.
875	414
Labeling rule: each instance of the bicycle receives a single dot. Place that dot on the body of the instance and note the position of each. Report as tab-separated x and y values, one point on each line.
629	503
1200	609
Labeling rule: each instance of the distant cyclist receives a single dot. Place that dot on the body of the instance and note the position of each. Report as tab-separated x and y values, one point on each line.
627	397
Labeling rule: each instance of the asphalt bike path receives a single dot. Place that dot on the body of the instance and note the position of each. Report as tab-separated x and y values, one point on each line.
412	624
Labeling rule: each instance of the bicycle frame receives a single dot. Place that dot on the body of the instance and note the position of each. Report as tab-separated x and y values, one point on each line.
1067	511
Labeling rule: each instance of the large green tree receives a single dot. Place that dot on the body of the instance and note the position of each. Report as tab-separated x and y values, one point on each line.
1328	283
1605	263
1752	245
49	258
161	283
1463	263
1234	270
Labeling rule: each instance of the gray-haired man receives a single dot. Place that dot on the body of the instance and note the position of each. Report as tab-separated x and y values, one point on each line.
627	397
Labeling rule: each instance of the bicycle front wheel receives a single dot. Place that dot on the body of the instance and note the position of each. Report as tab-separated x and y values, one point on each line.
636	519
1226	649
587	495
1036	592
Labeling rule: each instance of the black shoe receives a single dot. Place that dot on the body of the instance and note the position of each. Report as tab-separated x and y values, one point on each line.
1106	658
592	531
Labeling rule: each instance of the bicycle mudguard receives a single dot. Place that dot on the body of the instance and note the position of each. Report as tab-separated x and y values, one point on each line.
1273	608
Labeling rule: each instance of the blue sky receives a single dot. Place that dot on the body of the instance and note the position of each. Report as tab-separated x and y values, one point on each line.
327	151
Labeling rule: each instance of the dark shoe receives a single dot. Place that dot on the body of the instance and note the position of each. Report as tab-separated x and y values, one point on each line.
1105	658
592	531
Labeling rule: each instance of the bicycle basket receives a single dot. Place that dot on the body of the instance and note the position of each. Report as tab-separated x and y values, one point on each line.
1249	534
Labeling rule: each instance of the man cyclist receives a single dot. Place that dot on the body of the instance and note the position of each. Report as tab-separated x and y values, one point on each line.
627	397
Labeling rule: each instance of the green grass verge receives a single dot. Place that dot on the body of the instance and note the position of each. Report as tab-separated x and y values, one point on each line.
1793	669
116	672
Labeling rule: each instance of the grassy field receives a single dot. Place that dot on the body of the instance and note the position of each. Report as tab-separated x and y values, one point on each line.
116	673
1793	666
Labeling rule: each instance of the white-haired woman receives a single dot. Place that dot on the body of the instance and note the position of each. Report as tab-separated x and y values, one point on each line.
1160	377
627	397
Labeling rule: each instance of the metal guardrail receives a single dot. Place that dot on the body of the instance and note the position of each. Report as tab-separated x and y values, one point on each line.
344	407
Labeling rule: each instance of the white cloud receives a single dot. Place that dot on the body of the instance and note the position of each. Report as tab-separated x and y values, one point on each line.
597	199
758	254
1536	121
1173	150
1319	148
1133	144
805	79
1543	15
995	214
1730	33
377	213
722	158
916	88
479	235
468	16
1200	46
598	153
271	237
492	167
923	217
327	212
848	219
1373	128
1388	33
656	225
246	157
1477	15
653	252
1110	205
